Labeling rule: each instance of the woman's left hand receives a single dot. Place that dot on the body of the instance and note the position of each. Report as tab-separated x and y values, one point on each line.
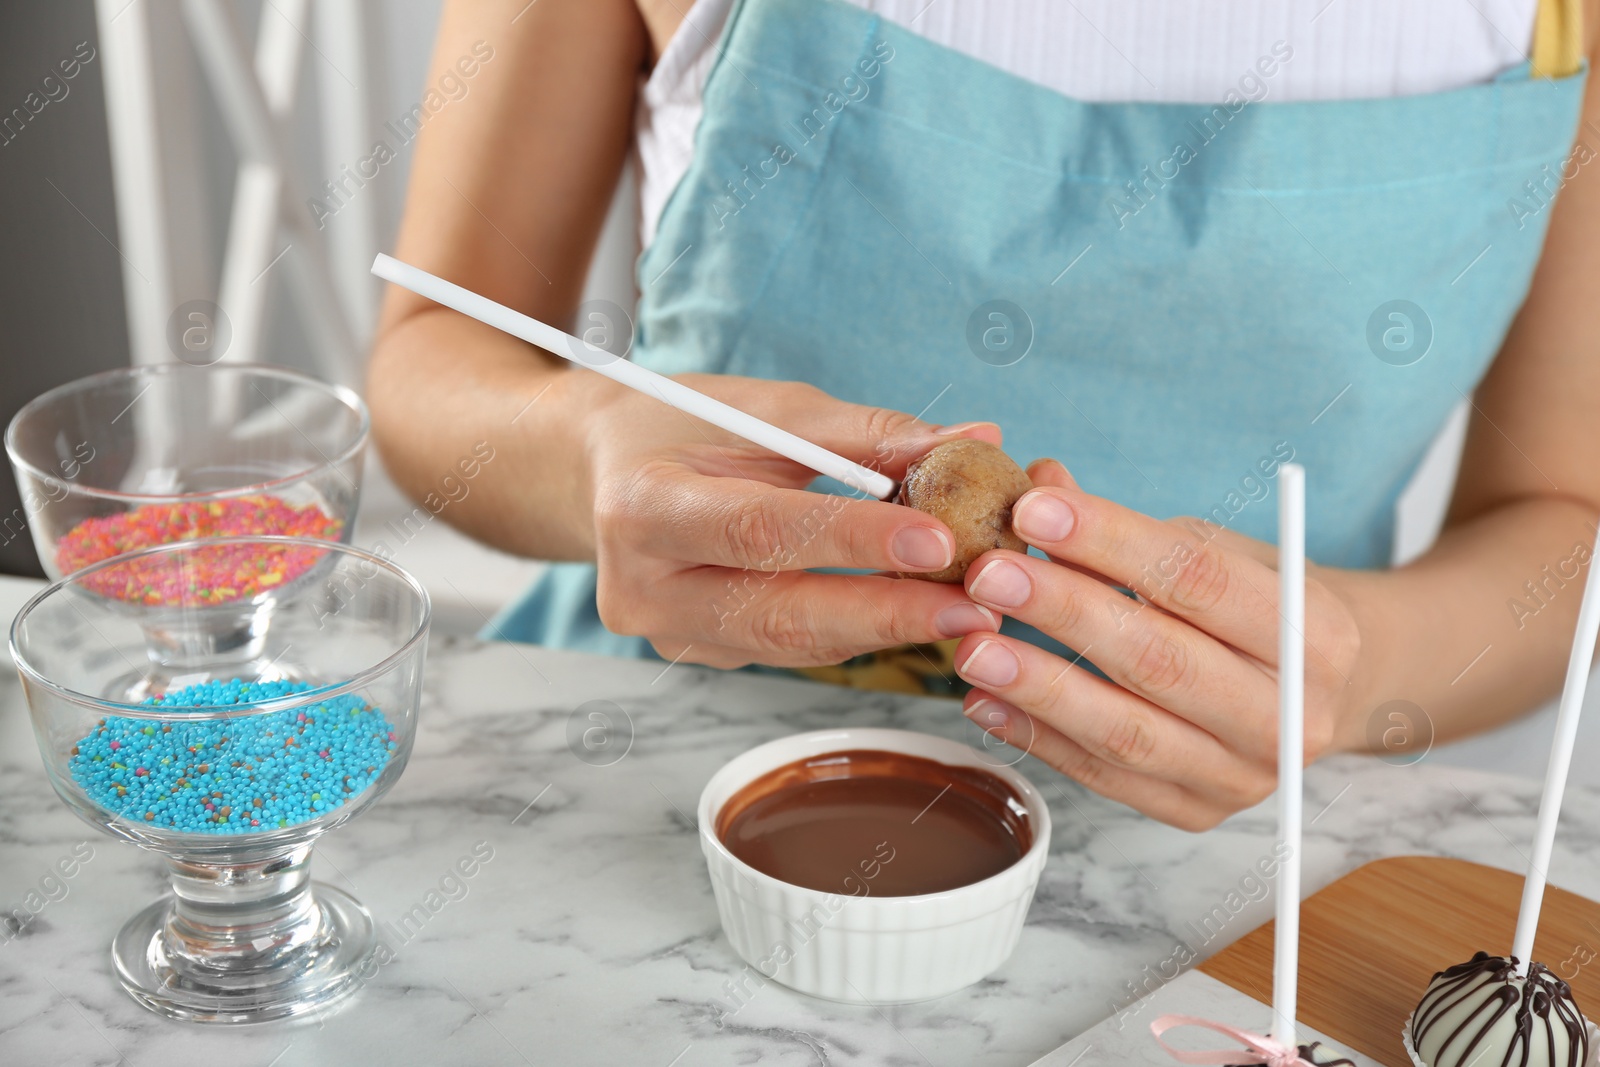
1186	729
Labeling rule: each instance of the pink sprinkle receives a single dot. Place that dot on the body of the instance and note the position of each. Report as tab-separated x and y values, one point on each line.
391	735
301	717
210	806
255	822
323	753
141	771
115	745
217	574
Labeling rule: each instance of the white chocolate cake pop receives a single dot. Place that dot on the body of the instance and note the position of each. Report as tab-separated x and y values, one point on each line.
1482	1013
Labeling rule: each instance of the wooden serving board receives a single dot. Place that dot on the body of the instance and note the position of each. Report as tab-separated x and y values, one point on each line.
1371	942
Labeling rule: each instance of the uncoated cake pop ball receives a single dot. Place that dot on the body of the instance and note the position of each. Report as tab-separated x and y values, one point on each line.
1482	1014
971	487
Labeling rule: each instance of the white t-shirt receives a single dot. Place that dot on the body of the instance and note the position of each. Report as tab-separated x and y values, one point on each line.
1174	51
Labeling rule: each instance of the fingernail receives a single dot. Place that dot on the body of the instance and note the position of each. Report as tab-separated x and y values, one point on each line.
917	548
991	663
1001	583
960	427
958	620
989	714
1042	517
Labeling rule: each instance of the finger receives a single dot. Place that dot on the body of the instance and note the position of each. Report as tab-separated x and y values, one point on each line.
1225	593
1109	722
989	432
1232	540
1145	650
700	653
883	439
796	619
750	525
1151	796
1051	472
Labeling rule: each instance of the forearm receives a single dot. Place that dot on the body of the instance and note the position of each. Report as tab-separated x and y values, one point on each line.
444	390
508	192
1476	630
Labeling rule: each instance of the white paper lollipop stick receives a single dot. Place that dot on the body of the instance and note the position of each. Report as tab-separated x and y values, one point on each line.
563	344
1291	743
1555	775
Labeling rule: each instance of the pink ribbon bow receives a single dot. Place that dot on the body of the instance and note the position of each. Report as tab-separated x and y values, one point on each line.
1257	1049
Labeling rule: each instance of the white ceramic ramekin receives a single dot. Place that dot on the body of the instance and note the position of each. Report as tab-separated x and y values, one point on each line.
866	949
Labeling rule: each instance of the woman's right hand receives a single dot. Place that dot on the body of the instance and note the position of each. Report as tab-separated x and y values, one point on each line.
704	542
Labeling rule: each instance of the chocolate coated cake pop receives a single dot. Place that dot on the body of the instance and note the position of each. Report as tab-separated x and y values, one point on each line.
1481	1013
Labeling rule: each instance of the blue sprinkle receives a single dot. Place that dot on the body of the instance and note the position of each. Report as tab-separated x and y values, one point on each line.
207	776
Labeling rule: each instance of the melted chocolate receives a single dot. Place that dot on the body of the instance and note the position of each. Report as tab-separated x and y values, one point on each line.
1486	988
873	823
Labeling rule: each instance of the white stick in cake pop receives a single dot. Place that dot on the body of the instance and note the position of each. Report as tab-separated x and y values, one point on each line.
1555	775
1291	742
675	394
1282	1048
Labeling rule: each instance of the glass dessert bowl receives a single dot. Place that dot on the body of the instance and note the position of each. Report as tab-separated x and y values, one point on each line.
144	456
231	777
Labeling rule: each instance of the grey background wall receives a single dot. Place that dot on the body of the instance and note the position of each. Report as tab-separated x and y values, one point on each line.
61	312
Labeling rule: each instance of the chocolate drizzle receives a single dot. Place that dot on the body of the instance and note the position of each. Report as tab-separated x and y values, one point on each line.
1481	1013
1319	1054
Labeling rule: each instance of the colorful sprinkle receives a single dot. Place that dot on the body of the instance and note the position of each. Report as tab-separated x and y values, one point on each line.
333	757
211	574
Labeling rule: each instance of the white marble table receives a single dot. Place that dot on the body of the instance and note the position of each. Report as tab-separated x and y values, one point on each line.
591	936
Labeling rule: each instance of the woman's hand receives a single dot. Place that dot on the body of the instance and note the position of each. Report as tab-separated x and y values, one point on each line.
703	540
1186	729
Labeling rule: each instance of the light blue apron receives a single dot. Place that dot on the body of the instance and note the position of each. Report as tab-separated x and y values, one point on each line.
1170	299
